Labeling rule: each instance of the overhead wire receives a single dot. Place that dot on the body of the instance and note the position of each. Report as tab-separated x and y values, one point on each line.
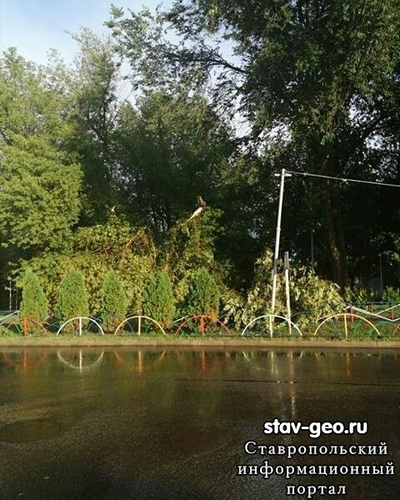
344	179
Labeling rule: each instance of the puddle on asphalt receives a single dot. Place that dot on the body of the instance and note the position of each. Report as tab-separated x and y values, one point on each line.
25	431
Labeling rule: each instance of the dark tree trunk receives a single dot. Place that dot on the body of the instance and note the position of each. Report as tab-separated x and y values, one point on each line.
334	234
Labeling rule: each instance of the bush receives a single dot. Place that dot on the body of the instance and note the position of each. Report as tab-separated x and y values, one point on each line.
203	294
391	295
158	298
114	303
358	295
95	250
34	304
311	297
72	296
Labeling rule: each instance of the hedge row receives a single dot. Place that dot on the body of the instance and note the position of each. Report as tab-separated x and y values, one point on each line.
158	299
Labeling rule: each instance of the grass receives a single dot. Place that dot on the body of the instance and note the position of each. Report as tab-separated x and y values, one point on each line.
88	338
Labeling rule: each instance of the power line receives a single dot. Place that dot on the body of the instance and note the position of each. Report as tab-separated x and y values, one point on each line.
342	179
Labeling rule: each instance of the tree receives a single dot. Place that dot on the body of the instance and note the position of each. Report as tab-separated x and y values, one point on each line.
96	94
96	249
40	180
173	148
191	245
34	99
203	294
158	298
34	304
315	75
72	296
311	296
39	197
114	301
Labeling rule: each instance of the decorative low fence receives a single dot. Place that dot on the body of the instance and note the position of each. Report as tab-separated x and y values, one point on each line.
354	322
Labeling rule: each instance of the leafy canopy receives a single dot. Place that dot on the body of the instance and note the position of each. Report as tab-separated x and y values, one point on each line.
39	196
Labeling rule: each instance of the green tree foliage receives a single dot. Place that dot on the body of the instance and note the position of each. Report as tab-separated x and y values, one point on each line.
34	304
311	296
72	296
114	301
95	250
203	294
172	149
39	196
39	179
128	250
158	298
190	245
391	295
317	78
101	162
34	99
95	122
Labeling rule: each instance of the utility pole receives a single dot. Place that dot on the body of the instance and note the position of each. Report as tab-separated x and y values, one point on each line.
278	238
287	288
276	254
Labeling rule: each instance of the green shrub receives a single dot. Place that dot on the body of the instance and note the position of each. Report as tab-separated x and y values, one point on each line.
158	298
94	251
72	296
358	295
234	309
114	303
34	304
203	294
391	295
311	296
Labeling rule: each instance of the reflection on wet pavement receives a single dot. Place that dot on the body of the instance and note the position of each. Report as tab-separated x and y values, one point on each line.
171	423
23	431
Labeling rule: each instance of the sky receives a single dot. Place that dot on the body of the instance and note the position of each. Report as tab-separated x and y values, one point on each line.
35	26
